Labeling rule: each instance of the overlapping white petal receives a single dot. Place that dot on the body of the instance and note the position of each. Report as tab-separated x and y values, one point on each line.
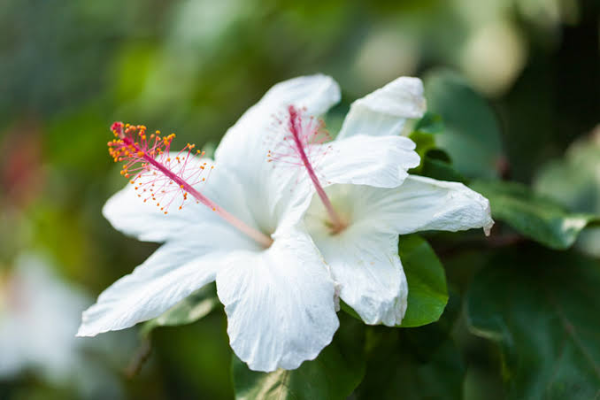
419	204
279	303
245	146
423	204
359	160
364	261
387	110
364	160
174	271
364	257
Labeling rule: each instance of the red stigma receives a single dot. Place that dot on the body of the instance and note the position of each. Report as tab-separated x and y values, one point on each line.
117	127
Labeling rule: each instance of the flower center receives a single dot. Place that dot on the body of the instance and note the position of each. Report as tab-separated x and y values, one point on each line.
160	177
302	137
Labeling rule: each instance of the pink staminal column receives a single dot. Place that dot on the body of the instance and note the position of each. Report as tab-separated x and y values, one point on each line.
301	135
148	155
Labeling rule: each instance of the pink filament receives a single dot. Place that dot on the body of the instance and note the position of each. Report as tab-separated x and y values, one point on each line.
295	127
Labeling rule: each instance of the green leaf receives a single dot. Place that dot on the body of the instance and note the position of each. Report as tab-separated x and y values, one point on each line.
574	182
424	142
194	307
541	307
349	310
471	134
418	363
534	216
437	165
409	378
430	123
334	374
427	291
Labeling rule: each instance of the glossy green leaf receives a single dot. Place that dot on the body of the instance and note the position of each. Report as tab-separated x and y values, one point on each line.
574	182
437	165
427	291
334	374
430	123
471	134
194	307
532	215
542	309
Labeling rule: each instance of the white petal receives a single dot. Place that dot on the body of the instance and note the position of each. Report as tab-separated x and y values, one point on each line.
359	160
246	140
366	160
245	145
419	204
279	303
129	214
173	272
364	257
365	262
427	204
386	110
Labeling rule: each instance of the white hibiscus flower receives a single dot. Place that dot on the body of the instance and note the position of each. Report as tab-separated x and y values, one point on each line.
246	233
356	225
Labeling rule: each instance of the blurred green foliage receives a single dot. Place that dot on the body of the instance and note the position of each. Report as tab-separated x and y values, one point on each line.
68	69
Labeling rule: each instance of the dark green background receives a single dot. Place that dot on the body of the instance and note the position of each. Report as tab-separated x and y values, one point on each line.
68	69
